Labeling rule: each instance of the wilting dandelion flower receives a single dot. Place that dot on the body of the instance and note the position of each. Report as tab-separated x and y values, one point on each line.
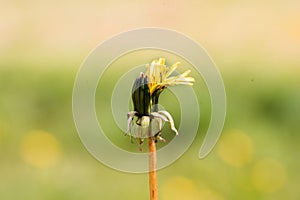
145	95
146	121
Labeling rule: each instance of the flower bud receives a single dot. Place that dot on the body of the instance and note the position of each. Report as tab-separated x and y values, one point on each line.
141	96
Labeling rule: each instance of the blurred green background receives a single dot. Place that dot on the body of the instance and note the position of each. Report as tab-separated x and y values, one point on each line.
256	46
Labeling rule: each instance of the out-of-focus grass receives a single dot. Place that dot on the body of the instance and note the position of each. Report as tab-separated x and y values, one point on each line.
262	117
255	44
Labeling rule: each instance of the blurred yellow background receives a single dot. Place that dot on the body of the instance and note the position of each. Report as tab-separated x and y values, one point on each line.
255	44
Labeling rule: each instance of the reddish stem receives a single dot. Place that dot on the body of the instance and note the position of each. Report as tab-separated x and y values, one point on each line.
152	169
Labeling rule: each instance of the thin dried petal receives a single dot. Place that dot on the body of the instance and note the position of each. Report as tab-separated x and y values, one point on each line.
130	116
170	119
158	115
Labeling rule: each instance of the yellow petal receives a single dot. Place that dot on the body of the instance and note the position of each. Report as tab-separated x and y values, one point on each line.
161	61
153	62
172	69
185	79
186	73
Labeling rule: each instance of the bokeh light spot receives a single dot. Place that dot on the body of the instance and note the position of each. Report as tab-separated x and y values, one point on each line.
236	148
178	188
268	175
207	194
40	149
